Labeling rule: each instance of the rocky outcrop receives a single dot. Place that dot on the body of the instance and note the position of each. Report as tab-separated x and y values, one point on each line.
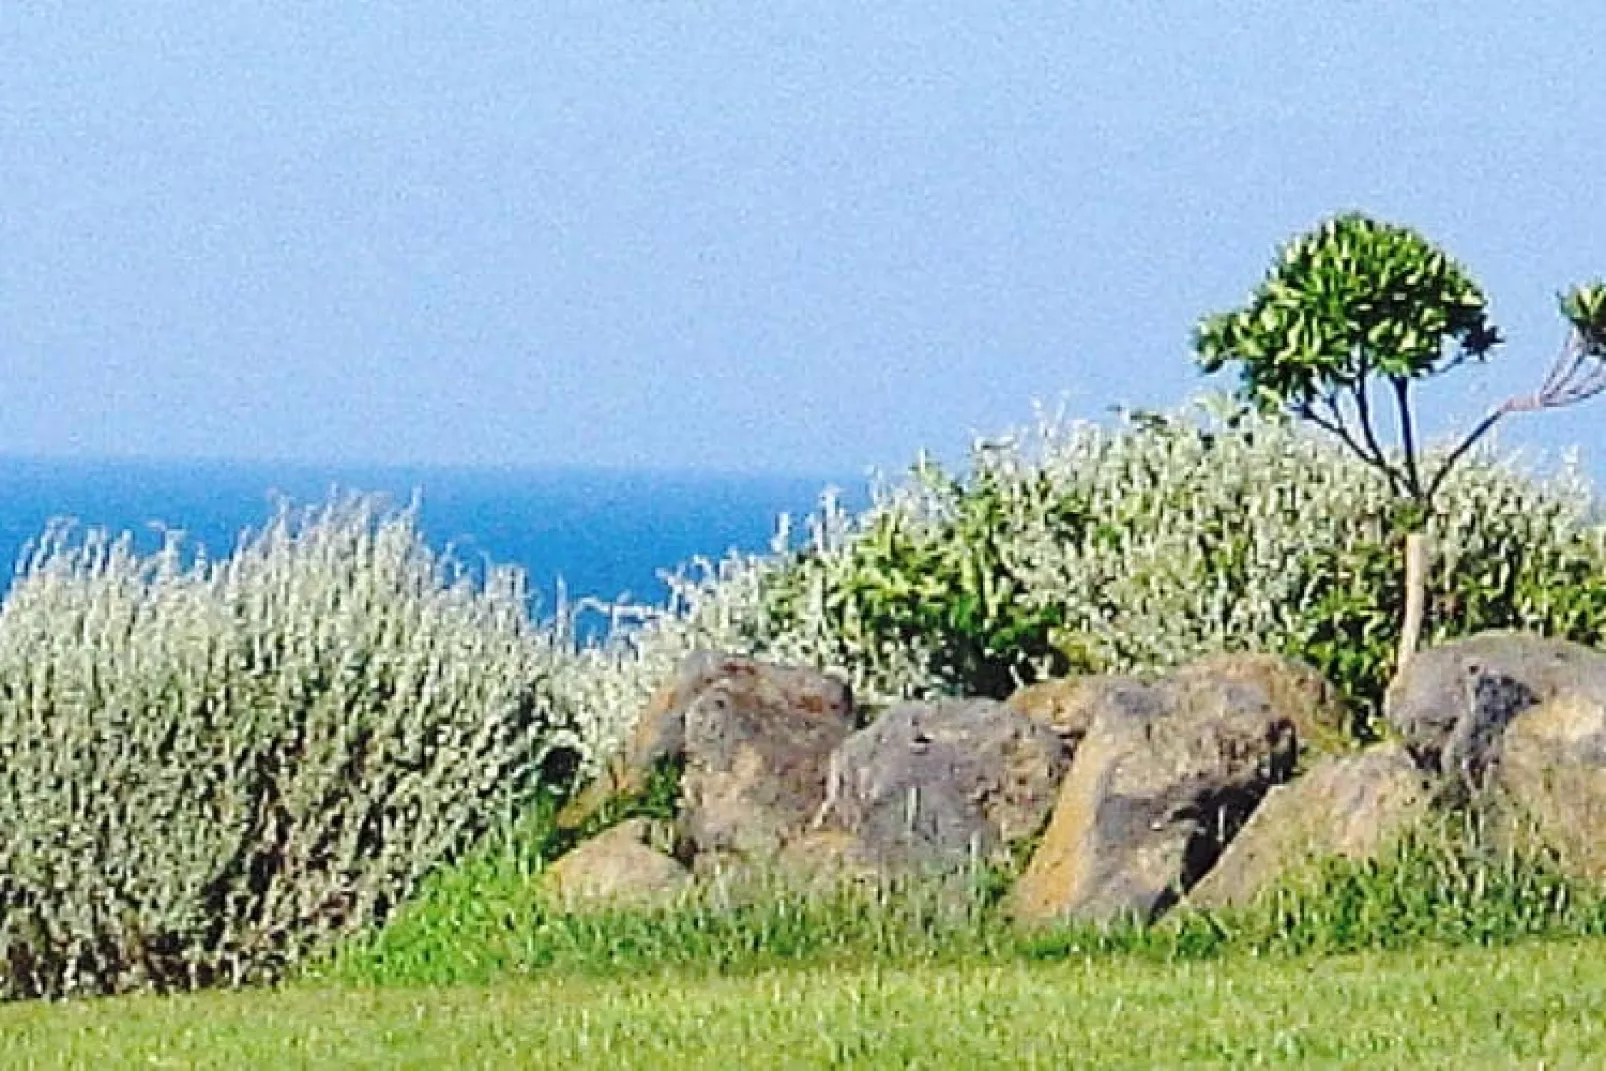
1164	778
1553	768
1066	704
1151	791
933	786
1452	703
626	866
752	740
1346	806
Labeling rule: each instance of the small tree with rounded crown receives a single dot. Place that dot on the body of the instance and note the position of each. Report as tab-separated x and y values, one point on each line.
1357	308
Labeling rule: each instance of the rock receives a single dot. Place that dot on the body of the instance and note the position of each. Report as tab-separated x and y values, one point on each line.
1452	703
1349	806
1066	704
819	860
660	731
1294	688
1166	774
1553	766
935	787
619	867
659	734
1321	722
757	743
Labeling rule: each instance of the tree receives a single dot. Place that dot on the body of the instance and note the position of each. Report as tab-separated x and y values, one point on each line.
1356	306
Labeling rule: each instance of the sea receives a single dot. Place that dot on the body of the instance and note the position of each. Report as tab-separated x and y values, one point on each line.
599	533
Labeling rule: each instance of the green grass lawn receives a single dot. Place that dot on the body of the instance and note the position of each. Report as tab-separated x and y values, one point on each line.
1530	1003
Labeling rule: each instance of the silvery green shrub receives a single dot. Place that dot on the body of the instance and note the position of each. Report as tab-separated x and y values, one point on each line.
210	767
1074	547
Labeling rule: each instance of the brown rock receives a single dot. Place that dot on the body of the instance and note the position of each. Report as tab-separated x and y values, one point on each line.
1349	806
820	859
939	786
1164	777
618	868
1066	704
1294	688
1553	766
757	745
660	731
1322	723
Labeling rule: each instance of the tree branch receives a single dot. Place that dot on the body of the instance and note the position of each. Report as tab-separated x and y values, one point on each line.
1337	425
1569	382
1466	444
1363	408
1413	478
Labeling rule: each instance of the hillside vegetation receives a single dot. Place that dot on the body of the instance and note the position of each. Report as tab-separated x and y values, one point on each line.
1075	548
212	770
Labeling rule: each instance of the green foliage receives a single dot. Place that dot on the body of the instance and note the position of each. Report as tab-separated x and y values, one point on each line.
209	768
1534	1004
487	918
944	582
1351	299
1169	538
1354	300
1449	883
1585	308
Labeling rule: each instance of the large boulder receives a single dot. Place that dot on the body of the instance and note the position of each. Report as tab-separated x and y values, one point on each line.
1553	767
757	744
1297	690
658	735
786	719
1164	778
626	866
1451	704
934	787
1345	806
1322	723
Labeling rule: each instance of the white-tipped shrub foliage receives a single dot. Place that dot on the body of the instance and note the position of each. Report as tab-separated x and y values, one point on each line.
1081	548
208	768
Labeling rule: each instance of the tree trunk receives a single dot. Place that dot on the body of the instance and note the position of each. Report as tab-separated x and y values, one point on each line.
1416	582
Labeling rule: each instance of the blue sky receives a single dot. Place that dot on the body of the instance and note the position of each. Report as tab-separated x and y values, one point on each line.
784	236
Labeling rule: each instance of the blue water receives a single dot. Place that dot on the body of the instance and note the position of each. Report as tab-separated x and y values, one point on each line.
606	534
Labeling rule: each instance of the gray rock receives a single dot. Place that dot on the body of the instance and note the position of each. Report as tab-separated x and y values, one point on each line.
1066	704
935	787
659	734
1452	703
757	743
786	694
1294	688
1165	776
1553	767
